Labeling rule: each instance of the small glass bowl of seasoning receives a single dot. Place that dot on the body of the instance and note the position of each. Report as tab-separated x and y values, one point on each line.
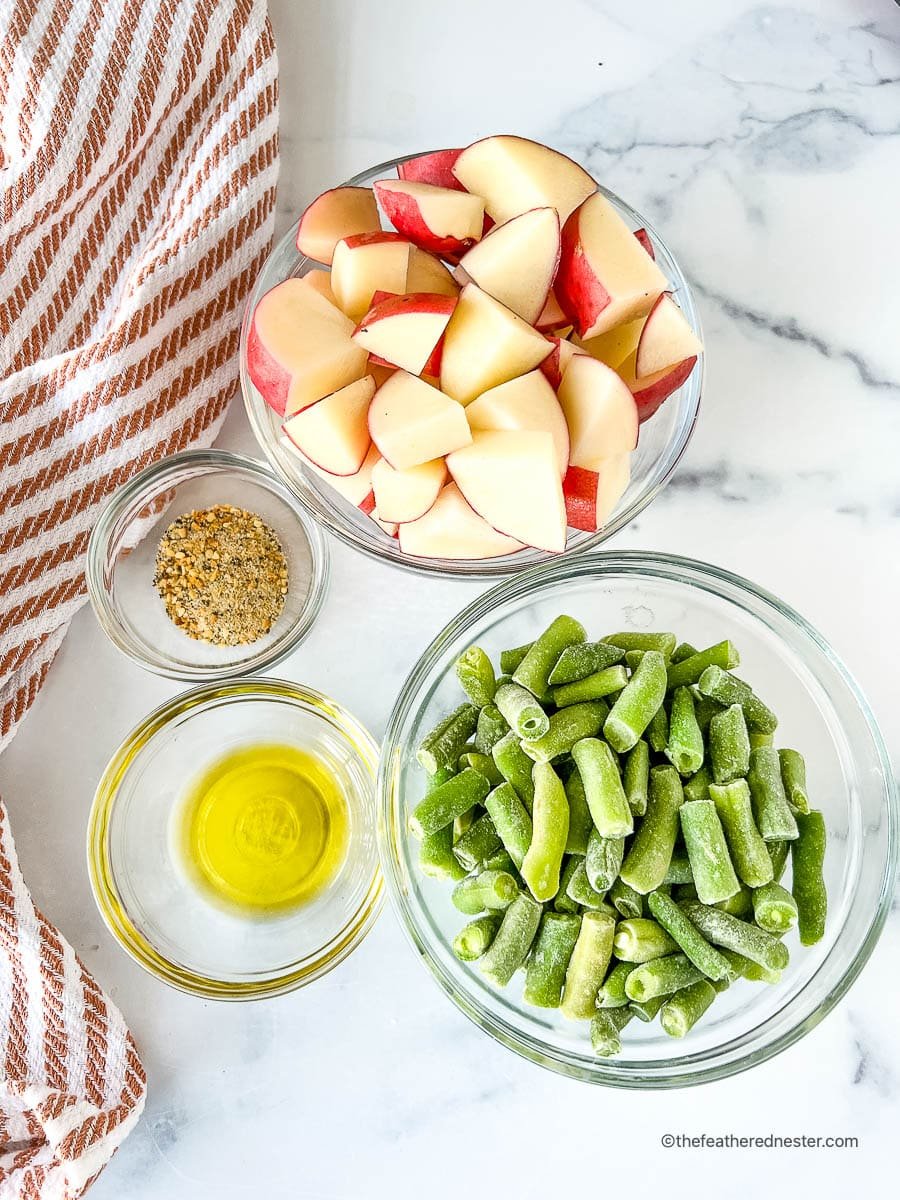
205	566
231	844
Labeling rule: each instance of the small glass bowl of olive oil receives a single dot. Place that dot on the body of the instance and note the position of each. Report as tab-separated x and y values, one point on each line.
231	843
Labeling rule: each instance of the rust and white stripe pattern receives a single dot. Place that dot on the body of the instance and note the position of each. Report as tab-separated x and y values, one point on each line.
138	163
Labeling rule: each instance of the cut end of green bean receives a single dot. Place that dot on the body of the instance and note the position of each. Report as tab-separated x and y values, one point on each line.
473	939
681	1012
606	1026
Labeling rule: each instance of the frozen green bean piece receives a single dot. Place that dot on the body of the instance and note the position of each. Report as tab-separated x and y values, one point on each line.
603	860
588	965
722	929
638	703
612	990
563	902
479	842
685	745
606	1026
483	763
512	942
681	1012
706	958
646	1010
657	732
448	801
625	900
567	727
550	820
808	886
581	823
684	891
579	889
476	676
723	654
473	939
697	787
511	659
650	852
748	850
729	745
491	727
549	958
533	672
489	890
636	777
592	687
633	658
711	866
436	857
511	821
443	746
640	940
727	689
515	767
704	709
774	908
739	905
760	739
521	711
679	869
778	853
464	822
585	658
793	776
682	651
664	643
751	970
500	862
773	816
661	977
603	788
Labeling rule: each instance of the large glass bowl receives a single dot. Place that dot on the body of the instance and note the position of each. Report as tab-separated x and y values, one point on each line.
663	439
822	713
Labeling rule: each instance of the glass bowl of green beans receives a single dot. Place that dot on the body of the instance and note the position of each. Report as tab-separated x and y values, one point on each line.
793	673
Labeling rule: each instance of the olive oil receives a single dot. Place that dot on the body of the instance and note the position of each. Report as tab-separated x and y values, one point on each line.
263	830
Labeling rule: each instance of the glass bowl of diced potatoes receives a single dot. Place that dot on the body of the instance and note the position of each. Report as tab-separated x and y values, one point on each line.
362	356
735	652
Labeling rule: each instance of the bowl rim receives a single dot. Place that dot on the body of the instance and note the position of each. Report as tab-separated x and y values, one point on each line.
128	935
688	572
506	565
221	462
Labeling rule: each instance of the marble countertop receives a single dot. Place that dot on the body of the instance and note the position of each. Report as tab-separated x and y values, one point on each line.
764	142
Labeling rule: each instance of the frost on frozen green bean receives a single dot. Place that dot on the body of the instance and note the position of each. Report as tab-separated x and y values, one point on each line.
448	801
774	908
533	672
638	703
683	1010
436	857
650	852
588	965
513	939
549	959
563	902
612	990
511	821
793	776
625	900
679	869
684	749
592	687
748	850
771	810
664	643
567	726
750	970
808	883
722	654
712	872
603	860
603	788
479	842
443	746
510	659
778	853
682	651
522	712
606	1026
722	929
727	689
515	767
585	658
636	777
697	787
489	890
581	823
640	940
550	829
729	745
473	939
476	676
704	709
706	958
483	763
661	977
657	732
490	728
579	889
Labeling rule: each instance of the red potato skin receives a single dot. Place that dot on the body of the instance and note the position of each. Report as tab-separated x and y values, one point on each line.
649	399
367	504
371	239
580	293
435	168
580	493
403	212
387	304
644	238
550	365
270	380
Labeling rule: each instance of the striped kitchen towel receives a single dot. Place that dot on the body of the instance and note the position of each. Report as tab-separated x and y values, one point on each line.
138	162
